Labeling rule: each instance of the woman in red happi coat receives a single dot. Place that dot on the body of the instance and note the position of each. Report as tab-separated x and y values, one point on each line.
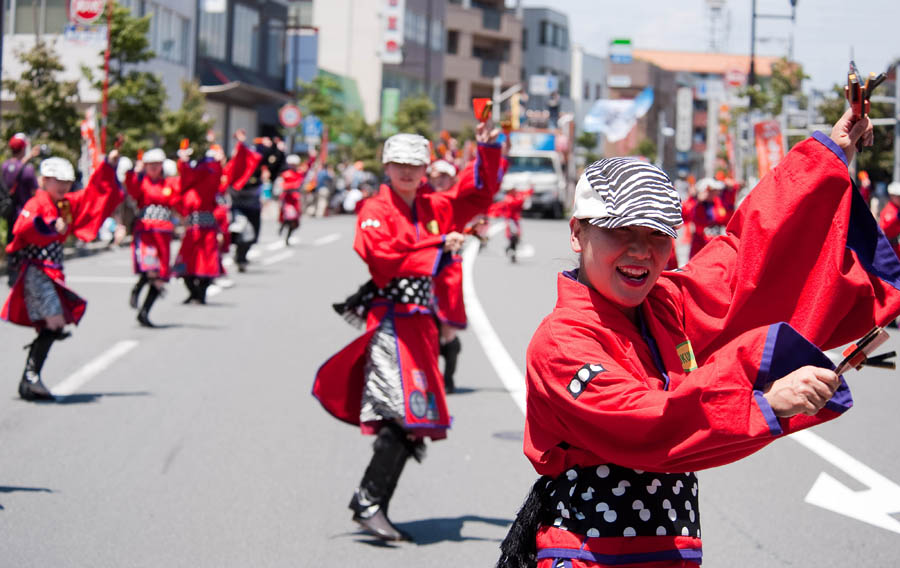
292	184
40	298
639	377
157	200
388	381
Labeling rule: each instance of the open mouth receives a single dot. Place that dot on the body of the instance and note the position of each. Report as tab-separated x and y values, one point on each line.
632	275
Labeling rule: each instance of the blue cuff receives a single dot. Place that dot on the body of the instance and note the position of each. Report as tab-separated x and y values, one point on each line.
829	143
786	351
443	258
872	247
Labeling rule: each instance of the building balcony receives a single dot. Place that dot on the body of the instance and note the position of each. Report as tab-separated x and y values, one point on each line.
487	21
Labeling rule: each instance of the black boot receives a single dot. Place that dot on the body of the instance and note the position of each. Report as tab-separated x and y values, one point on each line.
370	501
202	285
240	256
511	249
450	353
144	315
191	284
136	291
31	387
290	231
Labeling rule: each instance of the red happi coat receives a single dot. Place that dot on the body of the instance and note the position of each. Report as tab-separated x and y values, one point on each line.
799	271
240	167
708	218
199	252
292	183
152	238
397	241
889	221
510	208
88	208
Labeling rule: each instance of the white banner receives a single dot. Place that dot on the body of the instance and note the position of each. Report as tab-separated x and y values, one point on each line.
614	118
392	36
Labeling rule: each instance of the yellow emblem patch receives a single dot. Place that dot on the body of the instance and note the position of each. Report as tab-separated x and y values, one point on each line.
167	191
432	227
686	354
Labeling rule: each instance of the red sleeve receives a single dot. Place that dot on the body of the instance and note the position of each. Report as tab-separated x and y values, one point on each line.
379	242
802	248
33	228
890	222
241	166
93	204
133	185
474	192
714	415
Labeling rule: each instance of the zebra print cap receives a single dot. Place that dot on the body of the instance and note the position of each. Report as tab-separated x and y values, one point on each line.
620	192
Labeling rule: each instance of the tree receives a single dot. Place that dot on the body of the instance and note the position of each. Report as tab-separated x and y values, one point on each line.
190	121
787	79
363	142
46	105
414	116
878	159
320	98
136	98
646	148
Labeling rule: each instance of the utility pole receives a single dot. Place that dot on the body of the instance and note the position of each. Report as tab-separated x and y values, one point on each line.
751	77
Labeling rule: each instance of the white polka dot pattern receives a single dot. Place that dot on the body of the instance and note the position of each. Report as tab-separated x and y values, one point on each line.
582	377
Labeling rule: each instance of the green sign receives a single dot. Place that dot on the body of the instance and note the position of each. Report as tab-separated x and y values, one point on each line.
390	104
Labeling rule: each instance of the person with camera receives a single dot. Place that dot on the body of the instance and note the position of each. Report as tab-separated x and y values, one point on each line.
387	381
40	297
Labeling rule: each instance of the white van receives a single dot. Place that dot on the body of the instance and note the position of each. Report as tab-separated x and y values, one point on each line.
542	171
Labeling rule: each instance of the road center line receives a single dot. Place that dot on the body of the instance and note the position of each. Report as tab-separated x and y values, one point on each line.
504	365
330	238
284	255
94	367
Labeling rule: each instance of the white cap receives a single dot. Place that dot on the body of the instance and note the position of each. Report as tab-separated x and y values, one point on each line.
894	188
709	183
125	165
443	167
170	168
621	192
409	149
292	160
154	155
58	168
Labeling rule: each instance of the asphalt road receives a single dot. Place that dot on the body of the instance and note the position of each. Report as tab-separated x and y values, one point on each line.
198	444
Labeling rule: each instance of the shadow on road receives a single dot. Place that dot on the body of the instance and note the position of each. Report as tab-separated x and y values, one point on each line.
469	390
433	531
91	397
10	489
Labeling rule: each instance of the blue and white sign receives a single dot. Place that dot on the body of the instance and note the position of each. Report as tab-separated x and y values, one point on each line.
312	129
542	85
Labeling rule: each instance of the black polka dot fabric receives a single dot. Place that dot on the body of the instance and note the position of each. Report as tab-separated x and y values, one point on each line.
408	290
615	501
584	375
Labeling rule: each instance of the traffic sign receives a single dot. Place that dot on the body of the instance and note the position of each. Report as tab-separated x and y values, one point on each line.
290	116
542	85
86	11
735	78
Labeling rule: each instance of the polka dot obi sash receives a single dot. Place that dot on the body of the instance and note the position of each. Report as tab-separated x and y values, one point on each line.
408	290
615	501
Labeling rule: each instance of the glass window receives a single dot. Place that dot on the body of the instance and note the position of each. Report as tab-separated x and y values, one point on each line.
300	14
275	56
437	35
546	31
213	29
450	93
245	46
7	14
598	91
452	41
28	14
524	39
55	16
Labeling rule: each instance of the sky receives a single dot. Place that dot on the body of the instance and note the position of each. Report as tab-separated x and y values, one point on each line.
826	32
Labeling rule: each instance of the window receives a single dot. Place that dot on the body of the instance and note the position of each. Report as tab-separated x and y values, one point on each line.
452	42
546	32
437	35
275	56
587	91
245	45
524	39
598	91
213	31
450	93
300	14
27	15
55	16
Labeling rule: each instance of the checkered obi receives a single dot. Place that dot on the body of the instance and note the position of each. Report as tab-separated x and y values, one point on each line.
155	213
51	254
408	290
201	219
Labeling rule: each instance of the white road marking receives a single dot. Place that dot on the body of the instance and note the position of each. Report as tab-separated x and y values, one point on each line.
277	245
284	255
525	251
330	238
94	367
213	290
504	365
874	505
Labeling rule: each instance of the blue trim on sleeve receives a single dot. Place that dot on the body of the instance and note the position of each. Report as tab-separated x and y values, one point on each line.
692	554
786	351
829	143
867	240
443	258
42	226
477	170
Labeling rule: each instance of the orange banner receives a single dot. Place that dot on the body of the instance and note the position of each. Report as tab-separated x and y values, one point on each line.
769	145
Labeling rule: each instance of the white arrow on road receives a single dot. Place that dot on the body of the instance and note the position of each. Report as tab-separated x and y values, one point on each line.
873	506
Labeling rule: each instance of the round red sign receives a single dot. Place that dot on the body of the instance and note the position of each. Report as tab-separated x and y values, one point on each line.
86	11
290	116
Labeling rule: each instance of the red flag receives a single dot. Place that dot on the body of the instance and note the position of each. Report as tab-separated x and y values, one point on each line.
769	147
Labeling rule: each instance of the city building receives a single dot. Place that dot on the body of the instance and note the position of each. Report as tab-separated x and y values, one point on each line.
241	64
385	50
546	50
588	83
483	42
171	37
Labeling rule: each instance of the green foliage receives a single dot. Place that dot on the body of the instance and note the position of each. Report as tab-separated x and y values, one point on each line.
319	98
136	98
46	106
190	121
414	116
878	159
466	134
787	79
587	140
646	148
363	142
